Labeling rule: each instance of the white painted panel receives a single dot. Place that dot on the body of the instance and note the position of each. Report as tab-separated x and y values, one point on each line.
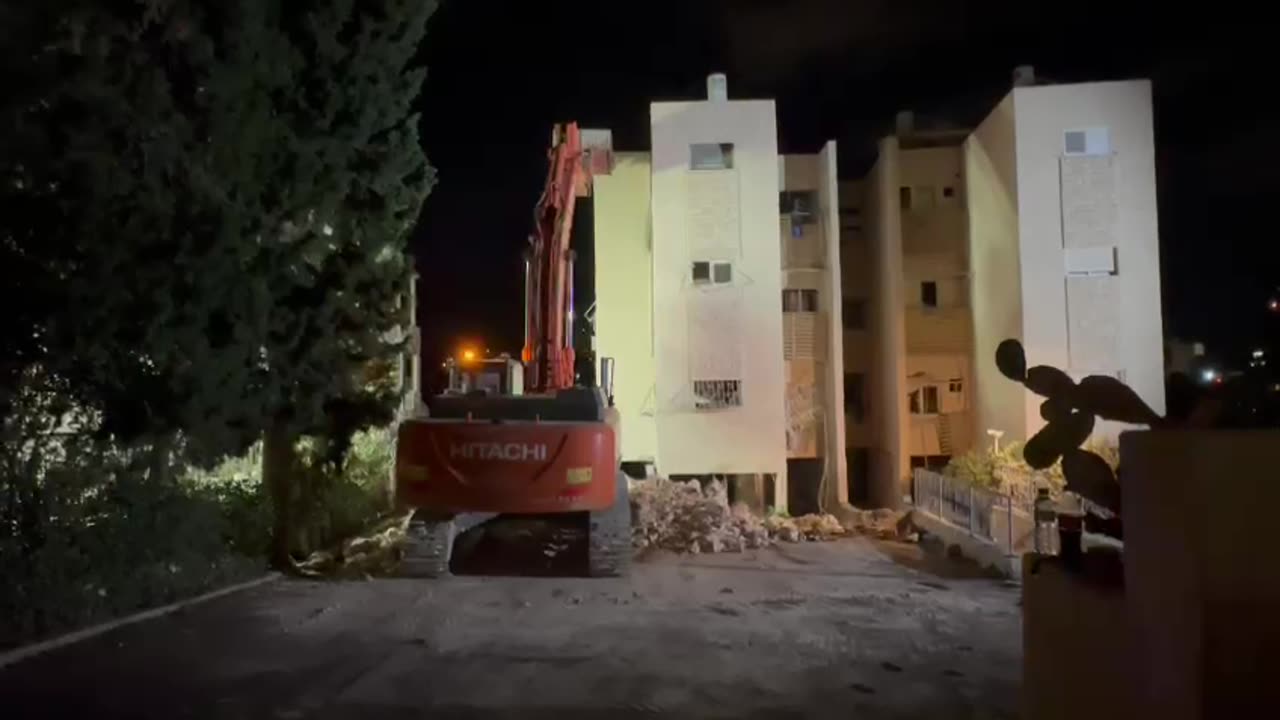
1093	328
1089	207
712	214
1090	260
715	334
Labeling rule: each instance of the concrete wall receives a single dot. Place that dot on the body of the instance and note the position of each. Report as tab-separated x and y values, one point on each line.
624	298
995	282
727	215
1110	200
837	472
815	383
889	471
936	222
856	276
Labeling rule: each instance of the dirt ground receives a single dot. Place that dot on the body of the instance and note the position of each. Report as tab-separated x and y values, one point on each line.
849	629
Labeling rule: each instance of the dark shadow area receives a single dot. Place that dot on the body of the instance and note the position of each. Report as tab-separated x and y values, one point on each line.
932	559
524	546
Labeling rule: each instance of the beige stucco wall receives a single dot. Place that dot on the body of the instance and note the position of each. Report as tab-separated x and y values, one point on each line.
812	262
990	168
1042	115
940	229
624	298
889	471
750	438
837	471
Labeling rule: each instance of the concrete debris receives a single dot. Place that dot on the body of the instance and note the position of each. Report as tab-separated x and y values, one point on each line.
687	517
374	554
881	523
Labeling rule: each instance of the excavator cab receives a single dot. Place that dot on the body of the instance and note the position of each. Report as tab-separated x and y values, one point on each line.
501	375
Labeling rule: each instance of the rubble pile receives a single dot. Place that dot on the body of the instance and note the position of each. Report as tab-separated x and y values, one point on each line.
375	553
881	523
686	517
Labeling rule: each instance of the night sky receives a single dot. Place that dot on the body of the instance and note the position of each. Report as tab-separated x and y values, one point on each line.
501	72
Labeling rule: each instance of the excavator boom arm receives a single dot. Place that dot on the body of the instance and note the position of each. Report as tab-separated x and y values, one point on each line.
548	350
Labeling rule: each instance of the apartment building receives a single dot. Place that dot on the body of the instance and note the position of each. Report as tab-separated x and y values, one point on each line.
716	294
1039	225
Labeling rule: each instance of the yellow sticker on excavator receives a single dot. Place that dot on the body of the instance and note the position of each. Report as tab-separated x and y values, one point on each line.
579	476
413	473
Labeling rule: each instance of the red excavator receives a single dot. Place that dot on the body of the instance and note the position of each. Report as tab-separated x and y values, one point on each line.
502	441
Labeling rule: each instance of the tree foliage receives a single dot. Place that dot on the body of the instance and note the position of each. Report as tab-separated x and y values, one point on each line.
204	210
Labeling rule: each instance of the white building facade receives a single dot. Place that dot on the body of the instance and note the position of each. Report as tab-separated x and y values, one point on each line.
693	253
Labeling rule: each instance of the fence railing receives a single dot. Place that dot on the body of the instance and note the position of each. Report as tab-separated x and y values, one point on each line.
987	515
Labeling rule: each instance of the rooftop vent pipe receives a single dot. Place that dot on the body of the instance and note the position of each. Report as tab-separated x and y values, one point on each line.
717	87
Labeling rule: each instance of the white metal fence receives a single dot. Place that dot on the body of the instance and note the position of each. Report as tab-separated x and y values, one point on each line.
987	515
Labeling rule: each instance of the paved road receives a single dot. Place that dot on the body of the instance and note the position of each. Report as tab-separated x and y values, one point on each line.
822	630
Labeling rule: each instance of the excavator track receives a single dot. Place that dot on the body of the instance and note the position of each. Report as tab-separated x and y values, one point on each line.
428	545
609	535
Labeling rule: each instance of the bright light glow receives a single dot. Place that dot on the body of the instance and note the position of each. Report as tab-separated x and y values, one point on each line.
1258	353
1209	374
328	229
1274	305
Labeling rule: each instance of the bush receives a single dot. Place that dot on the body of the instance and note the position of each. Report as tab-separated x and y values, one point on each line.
91	531
1008	472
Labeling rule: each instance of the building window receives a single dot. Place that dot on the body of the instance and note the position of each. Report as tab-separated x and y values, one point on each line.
711	156
929	294
855	400
799	300
701	272
904	198
924	401
721	273
708	273
948	192
955	385
855	314
717	394
801	205
930	399
1088	141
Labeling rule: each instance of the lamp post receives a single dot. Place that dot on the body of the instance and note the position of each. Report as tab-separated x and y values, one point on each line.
995	439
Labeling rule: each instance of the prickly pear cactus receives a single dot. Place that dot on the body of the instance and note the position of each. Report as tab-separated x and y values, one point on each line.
1070	411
